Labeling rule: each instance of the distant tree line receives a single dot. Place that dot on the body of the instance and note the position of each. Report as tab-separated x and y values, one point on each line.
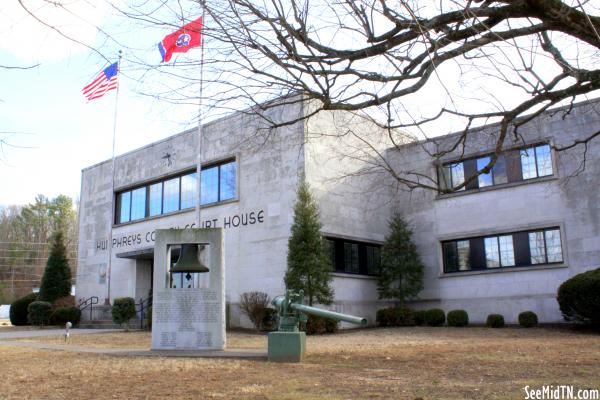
25	231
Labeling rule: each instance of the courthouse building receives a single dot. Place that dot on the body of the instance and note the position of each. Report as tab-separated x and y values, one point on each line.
503	244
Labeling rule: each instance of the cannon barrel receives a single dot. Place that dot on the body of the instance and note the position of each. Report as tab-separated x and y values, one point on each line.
329	314
280	300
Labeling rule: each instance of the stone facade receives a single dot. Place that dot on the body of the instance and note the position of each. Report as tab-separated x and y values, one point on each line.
568	199
270	163
355	203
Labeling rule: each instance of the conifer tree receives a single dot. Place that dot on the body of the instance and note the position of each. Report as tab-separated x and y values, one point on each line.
56	282
401	274
309	267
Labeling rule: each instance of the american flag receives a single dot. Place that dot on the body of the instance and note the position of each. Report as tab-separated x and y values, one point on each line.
105	81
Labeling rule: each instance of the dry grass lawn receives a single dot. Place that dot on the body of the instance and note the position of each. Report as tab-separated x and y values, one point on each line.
402	363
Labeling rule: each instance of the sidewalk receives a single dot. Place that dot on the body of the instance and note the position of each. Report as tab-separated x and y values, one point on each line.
228	353
29	333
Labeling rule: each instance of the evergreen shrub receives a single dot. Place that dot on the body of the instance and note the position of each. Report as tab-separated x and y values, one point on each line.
56	282
528	319
38	313
579	298
316	325
435	317
18	309
62	315
401	271
308	262
123	310
395	316
458	318
419	317
495	321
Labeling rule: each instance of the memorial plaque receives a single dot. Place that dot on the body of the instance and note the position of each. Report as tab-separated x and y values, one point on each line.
189	318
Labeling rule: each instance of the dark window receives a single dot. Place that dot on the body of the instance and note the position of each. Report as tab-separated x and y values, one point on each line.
354	257
373	259
499	251
511	166
453	175
508	250
219	183
351	258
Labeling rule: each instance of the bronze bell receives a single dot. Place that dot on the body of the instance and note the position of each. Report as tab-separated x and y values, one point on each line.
188	260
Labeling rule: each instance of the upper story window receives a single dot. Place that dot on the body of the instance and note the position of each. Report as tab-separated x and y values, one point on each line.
218	183
511	166
353	257
507	250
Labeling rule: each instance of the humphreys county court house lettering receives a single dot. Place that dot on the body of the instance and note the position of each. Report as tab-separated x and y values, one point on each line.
231	221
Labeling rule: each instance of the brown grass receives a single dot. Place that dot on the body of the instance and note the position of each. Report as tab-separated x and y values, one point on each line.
403	363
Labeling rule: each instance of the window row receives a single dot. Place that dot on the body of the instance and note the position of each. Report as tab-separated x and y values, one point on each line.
354	257
506	250
218	183
511	166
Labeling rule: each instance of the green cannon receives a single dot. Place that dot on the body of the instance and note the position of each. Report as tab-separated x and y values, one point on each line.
288	344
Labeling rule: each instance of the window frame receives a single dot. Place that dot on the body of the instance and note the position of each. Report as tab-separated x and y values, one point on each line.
520	242
512	176
336	252
179	176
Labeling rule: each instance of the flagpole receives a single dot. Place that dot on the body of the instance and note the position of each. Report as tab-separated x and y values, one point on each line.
112	184
199	133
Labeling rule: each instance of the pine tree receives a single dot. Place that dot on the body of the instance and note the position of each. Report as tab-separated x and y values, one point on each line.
56	282
401	274
309	267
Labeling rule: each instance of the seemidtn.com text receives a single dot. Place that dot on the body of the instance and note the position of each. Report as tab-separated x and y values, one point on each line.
560	392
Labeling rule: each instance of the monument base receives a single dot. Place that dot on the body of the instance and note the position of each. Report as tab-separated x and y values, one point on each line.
287	346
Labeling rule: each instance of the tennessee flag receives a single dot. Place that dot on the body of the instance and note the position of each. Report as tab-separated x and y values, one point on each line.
180	41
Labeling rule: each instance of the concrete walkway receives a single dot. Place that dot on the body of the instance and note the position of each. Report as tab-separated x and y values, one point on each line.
29	333
259	354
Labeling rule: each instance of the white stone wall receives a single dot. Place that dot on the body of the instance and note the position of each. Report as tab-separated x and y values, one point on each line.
269	165
338	154
568	200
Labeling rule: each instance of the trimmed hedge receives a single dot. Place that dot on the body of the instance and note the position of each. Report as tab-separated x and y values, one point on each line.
579	298
64	302
435	317
123	310
62	315
395	316
495	321
528	319
18	309
38	313
458	318
419	316
319	325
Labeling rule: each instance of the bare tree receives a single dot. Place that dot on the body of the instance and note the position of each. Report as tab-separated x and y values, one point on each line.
375	57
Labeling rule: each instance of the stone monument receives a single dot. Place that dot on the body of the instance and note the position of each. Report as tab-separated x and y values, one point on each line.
188	305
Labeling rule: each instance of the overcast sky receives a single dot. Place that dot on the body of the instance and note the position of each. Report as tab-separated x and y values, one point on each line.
51	131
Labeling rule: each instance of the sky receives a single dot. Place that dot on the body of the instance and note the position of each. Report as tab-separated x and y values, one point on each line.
50	131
